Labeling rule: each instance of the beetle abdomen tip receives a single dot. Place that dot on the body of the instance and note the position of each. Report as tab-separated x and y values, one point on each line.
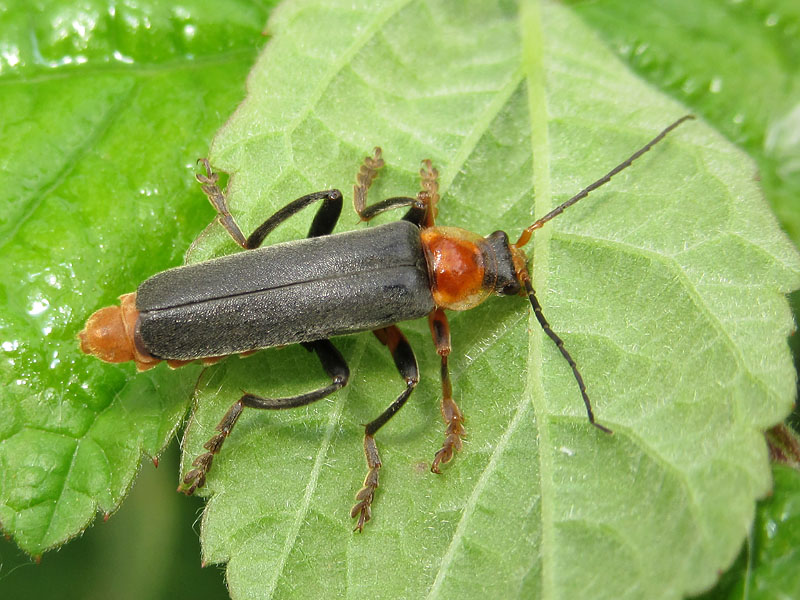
109	335
105	337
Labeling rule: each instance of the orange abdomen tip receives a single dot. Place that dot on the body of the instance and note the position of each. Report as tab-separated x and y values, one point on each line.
109	335
104	336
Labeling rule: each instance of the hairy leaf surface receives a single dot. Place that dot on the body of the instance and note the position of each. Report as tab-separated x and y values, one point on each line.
667	286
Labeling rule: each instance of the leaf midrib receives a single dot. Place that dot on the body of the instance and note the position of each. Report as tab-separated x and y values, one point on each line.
533	66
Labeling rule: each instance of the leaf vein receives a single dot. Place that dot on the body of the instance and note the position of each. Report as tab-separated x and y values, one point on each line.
37	196
472	501
672	265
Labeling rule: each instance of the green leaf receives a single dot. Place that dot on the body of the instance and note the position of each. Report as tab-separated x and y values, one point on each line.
733	61
685	391
105	108
777	539
767	566
667	287
776	543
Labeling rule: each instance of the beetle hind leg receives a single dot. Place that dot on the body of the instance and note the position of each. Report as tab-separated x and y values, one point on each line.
336	368
196	477
324	221
210	185
406	364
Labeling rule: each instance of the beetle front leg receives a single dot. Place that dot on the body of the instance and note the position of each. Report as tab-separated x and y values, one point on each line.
336	368
406	364
440	329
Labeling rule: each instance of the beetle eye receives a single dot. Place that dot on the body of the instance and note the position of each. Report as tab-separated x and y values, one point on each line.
510	289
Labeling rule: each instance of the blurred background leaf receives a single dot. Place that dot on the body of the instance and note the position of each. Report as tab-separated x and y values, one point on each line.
105	106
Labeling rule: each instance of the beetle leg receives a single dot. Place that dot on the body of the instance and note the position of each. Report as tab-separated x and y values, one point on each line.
406	364
323	223
429	195
217	199
414	214
440	330
423	210
364	178
366	174
336	368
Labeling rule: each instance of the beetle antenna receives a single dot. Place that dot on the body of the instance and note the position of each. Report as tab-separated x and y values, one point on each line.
526	234
537	310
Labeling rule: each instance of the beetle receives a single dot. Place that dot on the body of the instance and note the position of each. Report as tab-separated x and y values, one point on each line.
307	291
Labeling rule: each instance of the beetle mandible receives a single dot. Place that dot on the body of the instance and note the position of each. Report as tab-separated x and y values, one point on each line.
307	291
